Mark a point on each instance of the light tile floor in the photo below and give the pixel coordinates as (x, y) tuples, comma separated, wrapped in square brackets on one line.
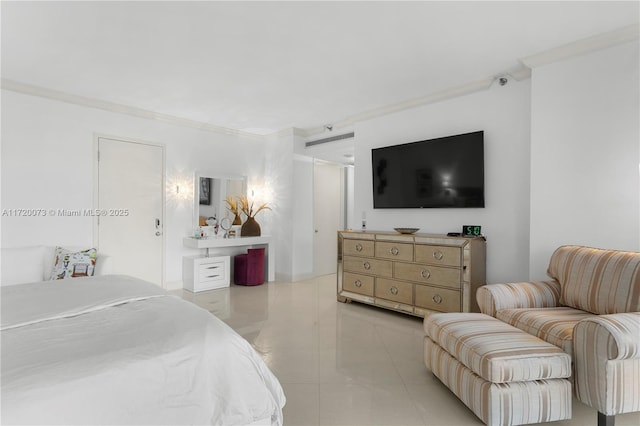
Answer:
[(346, 364)]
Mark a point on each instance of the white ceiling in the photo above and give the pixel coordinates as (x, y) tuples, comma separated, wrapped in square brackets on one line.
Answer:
[(261, 67)]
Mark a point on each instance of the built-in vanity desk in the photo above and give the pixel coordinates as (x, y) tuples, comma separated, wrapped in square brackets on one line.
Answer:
[(414, 274), (194, 267)]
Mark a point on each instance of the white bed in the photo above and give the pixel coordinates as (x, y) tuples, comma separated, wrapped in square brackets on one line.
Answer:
[(118, 350)]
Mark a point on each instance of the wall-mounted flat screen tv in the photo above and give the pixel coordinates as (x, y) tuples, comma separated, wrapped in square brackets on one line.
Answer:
[(434, 173)]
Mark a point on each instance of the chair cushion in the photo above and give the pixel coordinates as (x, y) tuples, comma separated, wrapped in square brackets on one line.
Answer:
[(596, 280), (553, 325), (494, 350)]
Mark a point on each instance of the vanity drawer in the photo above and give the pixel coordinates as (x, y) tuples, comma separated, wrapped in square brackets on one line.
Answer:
[(361, 284), (382, 268), (397, 291), (437, 299), (438, 255), (357, 248), (201, 273), (428, 274), (211, 271), (395, 251)]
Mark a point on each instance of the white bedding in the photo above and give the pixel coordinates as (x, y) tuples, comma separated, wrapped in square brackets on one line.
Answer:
[(117, 350)]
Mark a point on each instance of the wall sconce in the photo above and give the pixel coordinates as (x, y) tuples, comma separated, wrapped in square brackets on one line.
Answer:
[(179, 189), (260, 192)]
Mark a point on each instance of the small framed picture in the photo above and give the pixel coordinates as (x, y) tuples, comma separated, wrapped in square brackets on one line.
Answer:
[(205, 191)]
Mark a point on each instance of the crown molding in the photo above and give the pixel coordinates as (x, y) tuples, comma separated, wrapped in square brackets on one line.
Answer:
[(28, 89), (580, 47), (453, 92), (287, 132), (519, 73)]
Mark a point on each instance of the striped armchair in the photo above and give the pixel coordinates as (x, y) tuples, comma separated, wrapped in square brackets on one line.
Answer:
[(591, 309)]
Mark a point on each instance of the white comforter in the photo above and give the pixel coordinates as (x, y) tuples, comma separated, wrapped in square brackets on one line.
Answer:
[(117, 350)]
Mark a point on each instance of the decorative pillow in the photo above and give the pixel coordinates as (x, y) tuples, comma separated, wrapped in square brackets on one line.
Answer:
[(69, 264)]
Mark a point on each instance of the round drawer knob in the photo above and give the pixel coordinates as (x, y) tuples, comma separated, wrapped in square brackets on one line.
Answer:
[(437, 299), (438, 255), (394, 251), (394, 290), (367, 265), (425, 274), (358, 247), (358, 283)]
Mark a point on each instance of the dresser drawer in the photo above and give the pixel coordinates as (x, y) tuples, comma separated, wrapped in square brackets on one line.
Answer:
[(361, 284), (429, 274), (357, 248), (437, 299), (381, 268), (397, 291), (439, 255), (395, 251)]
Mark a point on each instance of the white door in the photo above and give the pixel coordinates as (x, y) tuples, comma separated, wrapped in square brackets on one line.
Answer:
[(130, 198), (328, 215)]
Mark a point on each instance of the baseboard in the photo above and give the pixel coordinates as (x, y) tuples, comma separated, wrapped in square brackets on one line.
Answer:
[(173, 285), (280, 277), (302, 277)]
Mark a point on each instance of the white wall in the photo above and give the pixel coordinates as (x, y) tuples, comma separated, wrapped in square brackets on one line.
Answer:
[(503, 113), (302, 232), (47, 162), (585, 154), (278, 184)]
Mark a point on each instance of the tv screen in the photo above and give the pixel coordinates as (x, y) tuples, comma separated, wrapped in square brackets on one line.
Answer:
[(443, 172)]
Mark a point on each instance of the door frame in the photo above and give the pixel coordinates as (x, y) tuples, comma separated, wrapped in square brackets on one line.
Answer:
[(96, 187)]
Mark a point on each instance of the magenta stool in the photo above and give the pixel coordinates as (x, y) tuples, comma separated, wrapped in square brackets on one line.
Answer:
[(248, 269)]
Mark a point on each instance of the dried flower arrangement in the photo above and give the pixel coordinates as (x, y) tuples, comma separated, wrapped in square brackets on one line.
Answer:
[(232, 205), (247, 208)]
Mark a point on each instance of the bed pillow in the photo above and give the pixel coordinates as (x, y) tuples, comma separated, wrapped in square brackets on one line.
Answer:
[(69, 264), (22, 265)]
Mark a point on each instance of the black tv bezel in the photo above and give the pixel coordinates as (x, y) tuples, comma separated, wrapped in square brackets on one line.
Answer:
[(425, 141)]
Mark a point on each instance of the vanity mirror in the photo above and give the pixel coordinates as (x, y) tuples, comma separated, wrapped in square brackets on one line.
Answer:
[(210, 191)]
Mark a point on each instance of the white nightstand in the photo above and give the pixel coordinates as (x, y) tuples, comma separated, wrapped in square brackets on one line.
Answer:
[(200, 273)]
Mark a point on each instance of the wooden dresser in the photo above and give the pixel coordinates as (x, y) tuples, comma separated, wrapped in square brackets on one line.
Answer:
[(414, 274)]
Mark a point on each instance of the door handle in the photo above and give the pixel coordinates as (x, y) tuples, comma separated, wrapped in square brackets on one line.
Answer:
[(157, 223)]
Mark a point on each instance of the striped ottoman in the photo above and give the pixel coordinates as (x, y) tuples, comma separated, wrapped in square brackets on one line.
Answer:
[(504, 375)]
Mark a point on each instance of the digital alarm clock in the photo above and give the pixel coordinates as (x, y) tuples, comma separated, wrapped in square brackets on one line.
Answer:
[(471, 230)]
